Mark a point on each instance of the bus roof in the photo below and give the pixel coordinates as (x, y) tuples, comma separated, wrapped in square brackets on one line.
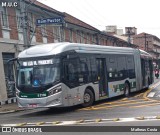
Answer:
[(56, 48)]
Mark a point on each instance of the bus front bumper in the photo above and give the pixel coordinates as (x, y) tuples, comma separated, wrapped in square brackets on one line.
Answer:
[(47, 102)]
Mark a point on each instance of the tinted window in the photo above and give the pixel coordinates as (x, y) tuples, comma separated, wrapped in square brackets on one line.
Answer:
[(112, 68), (130, 66), (93, 69), (84, 72), (71, 70), (121, 67)]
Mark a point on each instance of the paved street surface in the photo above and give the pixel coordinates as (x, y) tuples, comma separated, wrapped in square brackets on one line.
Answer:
[(140, 109)]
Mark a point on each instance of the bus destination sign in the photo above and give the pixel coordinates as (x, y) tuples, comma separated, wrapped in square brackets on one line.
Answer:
[(39, 62)]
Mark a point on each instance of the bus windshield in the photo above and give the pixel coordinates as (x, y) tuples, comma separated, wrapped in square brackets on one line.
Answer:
[(36, 76), (39, 75)]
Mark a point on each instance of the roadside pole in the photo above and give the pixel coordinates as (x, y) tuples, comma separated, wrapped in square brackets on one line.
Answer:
[(24, 19)]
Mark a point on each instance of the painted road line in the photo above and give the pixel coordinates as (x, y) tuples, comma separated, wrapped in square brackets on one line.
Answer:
[(146, 105), (138, 95), (106, 103), (120, 105), (110, 103), (151, 94), (155, 85), (67, 123), (93, 121)]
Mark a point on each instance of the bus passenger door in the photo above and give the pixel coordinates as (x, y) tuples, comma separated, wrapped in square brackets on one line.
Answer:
[(101, 68), (143, 71)]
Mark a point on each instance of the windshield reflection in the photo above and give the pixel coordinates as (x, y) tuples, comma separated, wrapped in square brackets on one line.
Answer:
[(38, 75)]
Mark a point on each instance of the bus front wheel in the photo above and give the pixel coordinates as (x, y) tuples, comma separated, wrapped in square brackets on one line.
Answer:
[(88, 98), (126, 90)]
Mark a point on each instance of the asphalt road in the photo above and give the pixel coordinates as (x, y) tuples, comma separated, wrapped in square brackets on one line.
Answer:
[(137, 110)]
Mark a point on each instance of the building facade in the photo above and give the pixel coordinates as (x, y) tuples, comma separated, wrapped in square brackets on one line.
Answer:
[(12, 39), (149, 43)]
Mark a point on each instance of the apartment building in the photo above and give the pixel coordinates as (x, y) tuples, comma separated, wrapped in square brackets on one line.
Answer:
[(149, 43)]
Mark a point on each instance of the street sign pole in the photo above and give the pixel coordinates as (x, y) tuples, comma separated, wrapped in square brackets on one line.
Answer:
[(24, 24)]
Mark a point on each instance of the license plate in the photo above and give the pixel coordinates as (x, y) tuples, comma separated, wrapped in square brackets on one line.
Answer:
[(32, 105)]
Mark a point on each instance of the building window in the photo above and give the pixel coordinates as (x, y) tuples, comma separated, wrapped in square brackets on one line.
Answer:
[(57, 35), (88, 39), (44, 30), (78, 36), (18, 17), (31, 22), (82, 37), (93, 39), (71, 35), (4, 16), (102, 41)]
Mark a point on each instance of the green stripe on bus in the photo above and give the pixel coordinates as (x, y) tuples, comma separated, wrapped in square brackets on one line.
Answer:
[(33, 95), (120, 87)]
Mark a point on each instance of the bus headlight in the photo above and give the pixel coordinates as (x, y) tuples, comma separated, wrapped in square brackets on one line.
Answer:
[(55, 90)]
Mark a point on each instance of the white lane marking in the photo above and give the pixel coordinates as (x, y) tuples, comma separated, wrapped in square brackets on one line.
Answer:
[(155, 85), (158, 96), (92, 121), (151, 94)]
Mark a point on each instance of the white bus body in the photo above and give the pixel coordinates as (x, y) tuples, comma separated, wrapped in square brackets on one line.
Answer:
[(67, 74)]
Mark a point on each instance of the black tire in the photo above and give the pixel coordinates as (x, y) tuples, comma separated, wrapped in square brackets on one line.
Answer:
[(88, 98), (126, 90)]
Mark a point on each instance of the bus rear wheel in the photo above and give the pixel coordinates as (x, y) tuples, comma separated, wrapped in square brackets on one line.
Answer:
[(88, 98), (126, 90)]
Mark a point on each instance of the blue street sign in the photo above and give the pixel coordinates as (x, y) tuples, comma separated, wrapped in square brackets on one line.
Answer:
[(57, 20)]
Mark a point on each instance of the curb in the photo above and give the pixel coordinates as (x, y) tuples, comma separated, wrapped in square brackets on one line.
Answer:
[(5, 112), (11, 111), (81, 122), (9, 101)]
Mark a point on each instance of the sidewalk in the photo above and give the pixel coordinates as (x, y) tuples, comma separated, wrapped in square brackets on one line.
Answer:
[(155, 81), (8, 108)]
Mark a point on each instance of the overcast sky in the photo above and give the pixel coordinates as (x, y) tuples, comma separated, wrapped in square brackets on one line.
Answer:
[(142, 14)]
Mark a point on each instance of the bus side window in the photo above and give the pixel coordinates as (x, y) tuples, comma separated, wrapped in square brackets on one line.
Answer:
[(121, 67), (111, 68), (93, 70), (130, 67), (70, 71), (84, 71)]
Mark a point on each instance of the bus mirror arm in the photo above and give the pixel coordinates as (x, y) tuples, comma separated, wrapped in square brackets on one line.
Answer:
[(14, 59)]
